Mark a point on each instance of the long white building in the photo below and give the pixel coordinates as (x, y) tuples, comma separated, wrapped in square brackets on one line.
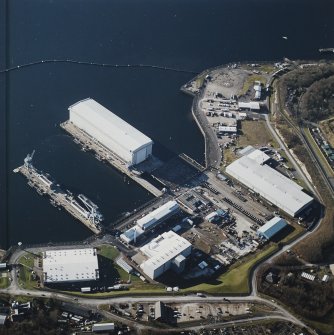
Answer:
[(150, 221), (160, 214), (166, 251), (70, 265), (270, 184), (111, 131)]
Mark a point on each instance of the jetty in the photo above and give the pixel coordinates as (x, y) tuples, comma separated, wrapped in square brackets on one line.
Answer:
[(42, 183)]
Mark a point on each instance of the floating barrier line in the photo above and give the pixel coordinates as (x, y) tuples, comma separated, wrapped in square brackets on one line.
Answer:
[(72, 61)]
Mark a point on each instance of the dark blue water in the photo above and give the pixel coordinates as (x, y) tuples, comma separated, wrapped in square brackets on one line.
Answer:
[(188, 34)]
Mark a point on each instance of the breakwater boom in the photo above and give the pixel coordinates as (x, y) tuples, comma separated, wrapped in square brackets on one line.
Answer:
[(106, 65), (79, 207)]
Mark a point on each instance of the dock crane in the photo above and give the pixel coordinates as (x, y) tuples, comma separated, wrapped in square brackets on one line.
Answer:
[(28, 160), (94, 214)]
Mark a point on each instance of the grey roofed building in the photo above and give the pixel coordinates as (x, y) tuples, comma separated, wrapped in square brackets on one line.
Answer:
[(272, 227), (270, 184), (99, 327)]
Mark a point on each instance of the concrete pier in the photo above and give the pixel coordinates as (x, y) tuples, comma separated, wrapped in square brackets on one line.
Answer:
[(102, 153), (58, 197)]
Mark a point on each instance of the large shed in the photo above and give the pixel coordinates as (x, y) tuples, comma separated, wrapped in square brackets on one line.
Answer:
[(115, 134), (272, 227), (270, 184), (70, 265)]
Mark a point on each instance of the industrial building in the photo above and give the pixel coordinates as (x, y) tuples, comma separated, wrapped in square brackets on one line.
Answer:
[(258, 155), (270, 184), (150, 221), (160, 214), (131, 234), (70, 265), (103, 327), (272, 227), (227, 129), (251, 106), (115, 134), (167, 251)]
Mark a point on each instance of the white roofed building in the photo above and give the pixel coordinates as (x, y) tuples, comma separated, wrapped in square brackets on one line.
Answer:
[(166, 251), (270, 184), (160, 214), (115, 134), (252, 105), (70, 265), (150, 221)]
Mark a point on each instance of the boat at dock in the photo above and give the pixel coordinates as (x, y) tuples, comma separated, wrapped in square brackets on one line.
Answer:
[(79, 207)]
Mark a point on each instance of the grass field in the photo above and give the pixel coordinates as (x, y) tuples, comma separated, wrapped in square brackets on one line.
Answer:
[(255, 133), (249, 82), (4, 282), (25, 278), (236, 280)]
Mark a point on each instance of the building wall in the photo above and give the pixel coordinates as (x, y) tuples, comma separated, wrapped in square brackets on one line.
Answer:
[(106, 138)]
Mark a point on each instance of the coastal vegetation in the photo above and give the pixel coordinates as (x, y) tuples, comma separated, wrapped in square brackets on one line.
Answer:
[(306, 92)]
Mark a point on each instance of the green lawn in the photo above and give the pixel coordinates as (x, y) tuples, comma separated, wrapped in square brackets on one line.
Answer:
[(249, 82), (137, 284), (4, 282), (108, 251), (25, 276), (235, 280)]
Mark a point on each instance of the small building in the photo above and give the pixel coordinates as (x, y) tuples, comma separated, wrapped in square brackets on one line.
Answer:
[(272, 227), (257, 89), (250, 106), (307, 276), (212, 217), (3, 266), (131, 234), (325, 278), (227, 129), (159, 311), (102, 327), (124, 265)]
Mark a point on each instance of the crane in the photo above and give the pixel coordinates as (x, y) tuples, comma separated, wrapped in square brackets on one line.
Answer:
[(28, 160)]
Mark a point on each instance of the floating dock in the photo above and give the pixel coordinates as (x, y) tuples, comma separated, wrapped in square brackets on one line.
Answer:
[(58, 198), (88, 143)]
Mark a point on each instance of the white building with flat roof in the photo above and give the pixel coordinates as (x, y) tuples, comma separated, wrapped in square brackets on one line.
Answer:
[(160, 214), (70, 265), (162, 254), (111, 131), (270, 184), (252, 105)]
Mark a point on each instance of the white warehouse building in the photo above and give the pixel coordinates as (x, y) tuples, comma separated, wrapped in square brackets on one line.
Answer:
[(270, 184), (167, 251), (115, 134), (70, 265), (150, 221), (160, 214)]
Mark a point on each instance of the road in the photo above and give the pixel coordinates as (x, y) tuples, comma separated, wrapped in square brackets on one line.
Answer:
[(290, 157)]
